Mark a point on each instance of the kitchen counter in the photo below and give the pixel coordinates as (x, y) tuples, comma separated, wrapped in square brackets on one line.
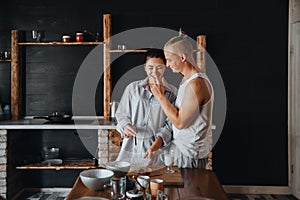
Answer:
[(77, 123)]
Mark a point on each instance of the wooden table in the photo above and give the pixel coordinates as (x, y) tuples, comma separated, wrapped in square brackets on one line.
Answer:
[(197, 182)]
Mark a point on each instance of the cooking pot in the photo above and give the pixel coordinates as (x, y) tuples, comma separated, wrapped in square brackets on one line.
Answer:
[(55, 117)]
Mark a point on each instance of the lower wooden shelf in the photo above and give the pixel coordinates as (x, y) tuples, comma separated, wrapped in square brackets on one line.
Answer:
[(67, 164)]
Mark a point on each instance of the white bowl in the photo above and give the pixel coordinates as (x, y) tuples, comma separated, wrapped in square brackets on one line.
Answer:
[(53, 162), (120, 168), (95, 179)]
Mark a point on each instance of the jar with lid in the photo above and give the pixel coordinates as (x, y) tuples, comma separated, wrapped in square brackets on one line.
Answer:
[(66, 38), (79, 37)]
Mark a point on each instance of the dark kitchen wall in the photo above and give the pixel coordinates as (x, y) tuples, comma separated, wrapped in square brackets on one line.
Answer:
[(247, 39)]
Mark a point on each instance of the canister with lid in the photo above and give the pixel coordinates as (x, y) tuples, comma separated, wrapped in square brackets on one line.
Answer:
[(79, 37)]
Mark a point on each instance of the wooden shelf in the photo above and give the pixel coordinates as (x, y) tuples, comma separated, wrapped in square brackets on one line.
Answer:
[(67, 164), (7, 60), (58, 43), (128, 51)]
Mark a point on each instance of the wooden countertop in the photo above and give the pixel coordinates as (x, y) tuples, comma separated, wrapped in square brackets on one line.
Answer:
[(197, 182)]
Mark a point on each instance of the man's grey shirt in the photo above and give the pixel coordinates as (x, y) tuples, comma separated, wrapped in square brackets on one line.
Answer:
[(141, 109)]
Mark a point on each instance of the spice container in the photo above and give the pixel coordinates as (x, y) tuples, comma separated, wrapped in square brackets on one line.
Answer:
[(79, 37), (66, 38)]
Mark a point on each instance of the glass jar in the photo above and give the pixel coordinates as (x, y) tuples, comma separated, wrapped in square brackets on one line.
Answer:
[(79, 37)]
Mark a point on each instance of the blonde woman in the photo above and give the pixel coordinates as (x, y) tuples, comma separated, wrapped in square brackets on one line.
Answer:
[(191, 116)]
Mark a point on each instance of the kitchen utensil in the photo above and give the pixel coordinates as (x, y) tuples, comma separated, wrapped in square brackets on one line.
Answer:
[(56, 117)]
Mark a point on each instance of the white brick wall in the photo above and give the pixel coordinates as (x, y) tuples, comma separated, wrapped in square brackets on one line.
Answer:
[(3, 162), (103, 150)]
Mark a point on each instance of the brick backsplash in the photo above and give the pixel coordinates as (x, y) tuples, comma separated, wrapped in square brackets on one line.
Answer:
[(3, 163)]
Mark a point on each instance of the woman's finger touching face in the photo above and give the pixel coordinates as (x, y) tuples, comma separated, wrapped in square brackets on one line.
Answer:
[(155, 69)]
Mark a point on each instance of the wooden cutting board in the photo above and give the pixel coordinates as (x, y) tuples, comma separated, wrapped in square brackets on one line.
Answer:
[(170, 180), (173, 179)]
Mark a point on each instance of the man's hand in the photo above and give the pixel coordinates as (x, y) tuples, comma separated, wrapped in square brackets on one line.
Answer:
[(148, 153), (129, 131)]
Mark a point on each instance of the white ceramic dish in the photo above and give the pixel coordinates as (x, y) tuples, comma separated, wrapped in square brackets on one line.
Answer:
[(53, 162)]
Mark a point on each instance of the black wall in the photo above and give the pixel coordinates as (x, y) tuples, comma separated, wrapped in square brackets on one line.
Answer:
[(247, 39)]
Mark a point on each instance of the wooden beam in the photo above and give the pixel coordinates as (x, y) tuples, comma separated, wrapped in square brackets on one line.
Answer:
[(200, 59), (200, 55), (16, 86), (106, 65)]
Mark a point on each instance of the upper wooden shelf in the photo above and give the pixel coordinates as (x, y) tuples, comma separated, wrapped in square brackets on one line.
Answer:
[(59, 43), (128, 51), (7, 60)]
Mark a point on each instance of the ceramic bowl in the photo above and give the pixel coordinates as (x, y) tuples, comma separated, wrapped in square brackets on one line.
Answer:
[(120, 168), (95, 179)]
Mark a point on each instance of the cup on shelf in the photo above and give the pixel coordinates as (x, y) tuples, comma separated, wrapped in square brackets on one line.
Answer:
[(79, 37), (36, 35), (121, 47), (66, 38), (7, 54)]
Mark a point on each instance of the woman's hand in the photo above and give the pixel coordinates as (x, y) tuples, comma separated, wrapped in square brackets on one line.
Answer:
[(156, 86), (129, 131), (157, 90), (152, 155)]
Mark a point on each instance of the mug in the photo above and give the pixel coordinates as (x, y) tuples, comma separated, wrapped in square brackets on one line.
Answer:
[(156, 185)]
